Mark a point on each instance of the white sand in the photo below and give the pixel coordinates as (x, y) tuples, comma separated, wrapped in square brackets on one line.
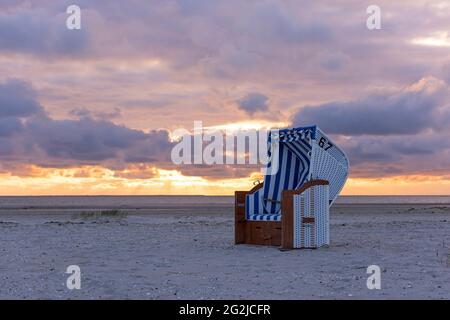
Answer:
[(182, 256)]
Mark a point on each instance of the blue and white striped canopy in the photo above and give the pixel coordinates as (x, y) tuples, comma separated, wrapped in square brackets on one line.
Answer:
[(301, 154), (294, 157)]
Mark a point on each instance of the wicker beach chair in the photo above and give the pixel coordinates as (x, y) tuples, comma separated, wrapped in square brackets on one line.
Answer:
[(291, 208)]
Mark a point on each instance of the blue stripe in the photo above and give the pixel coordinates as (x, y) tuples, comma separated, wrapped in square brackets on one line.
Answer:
[(300, 152), (290, 175), (306, 145), (280, 172), (265, 217), (304, 159), (281, 179), (296, 173), (256, 203), (288, 167), (247, 206), (267, 184)]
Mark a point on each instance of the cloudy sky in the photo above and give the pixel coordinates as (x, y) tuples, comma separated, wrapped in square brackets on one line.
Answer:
[(92, 111)]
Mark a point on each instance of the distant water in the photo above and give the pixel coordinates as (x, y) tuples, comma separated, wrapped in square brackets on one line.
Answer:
[(393, 200), (121, 202)]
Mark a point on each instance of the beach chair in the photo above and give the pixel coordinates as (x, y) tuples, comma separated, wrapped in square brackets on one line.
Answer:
[(291, 207)]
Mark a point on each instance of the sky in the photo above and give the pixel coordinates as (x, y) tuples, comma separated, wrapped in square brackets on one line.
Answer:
[(93, 111)]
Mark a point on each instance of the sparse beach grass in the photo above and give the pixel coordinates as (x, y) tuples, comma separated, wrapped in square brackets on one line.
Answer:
[(110, 213)]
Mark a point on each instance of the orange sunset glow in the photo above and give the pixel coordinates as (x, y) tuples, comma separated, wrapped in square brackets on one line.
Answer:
[(102, 181)]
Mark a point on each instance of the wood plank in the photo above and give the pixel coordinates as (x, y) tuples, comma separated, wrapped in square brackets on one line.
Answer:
[(239, 217), (287, 219)]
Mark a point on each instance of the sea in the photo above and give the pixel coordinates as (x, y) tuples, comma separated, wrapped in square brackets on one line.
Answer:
[(142, 202)]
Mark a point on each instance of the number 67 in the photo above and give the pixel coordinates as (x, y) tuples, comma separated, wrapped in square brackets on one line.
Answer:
[(325, 144)]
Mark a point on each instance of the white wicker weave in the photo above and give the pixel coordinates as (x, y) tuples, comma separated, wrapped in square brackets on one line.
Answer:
[(314, 231)]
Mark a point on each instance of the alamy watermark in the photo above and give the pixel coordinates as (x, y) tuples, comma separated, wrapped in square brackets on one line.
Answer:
[(74, 280), (374, 280), (373, 22), (213, 146), (73, 21)]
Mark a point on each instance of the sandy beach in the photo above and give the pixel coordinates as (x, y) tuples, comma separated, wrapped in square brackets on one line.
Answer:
[(173, 252)]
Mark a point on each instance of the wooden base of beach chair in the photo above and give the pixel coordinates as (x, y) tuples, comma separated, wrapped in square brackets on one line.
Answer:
[(262, 233), (284, 233), (254, 232)]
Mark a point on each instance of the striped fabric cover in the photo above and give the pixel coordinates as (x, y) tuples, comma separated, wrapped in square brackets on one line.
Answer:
[(302, 157), (294, 149), (331, 165), (264, 217), (294, 160)]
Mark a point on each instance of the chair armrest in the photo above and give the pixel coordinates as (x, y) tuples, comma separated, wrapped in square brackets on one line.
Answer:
[(239, 200), (307, 185), (287, 211), (239, 213)]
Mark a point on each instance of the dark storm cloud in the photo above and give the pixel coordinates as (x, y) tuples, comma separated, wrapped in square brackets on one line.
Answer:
[(377, 156), (390, 133), (333, 61), (83, 139), (6, 147), (445, 72), (8, 126), (40, 32), (407, 112), (253, 102), (105, 115), (386, 149), (95, 141), (34, 135), (17, 99), (273, 22)]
